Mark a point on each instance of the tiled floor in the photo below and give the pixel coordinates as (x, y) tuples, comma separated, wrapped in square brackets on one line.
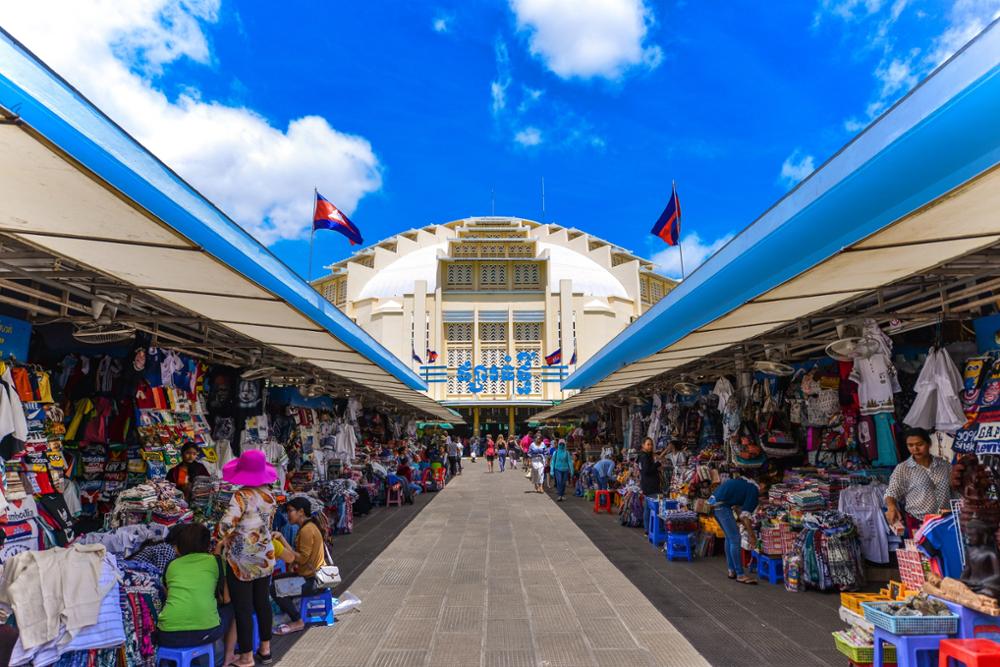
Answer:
[(729, 624), (490, 574)]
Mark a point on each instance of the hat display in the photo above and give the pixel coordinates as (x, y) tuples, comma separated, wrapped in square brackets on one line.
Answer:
[(250, 469)]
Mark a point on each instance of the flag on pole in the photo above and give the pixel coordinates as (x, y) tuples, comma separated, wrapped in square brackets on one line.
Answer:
[(328, 216), (554, 358), (668, 226), (432, 356), (416, 357), (572, 360)]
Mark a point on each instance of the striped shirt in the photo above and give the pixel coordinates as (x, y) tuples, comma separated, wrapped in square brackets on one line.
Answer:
[(921, 490)]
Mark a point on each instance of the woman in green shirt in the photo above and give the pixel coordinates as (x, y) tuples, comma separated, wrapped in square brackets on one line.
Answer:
[(190, 616)]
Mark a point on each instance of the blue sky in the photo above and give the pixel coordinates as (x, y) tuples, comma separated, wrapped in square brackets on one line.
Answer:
[(407, 114)]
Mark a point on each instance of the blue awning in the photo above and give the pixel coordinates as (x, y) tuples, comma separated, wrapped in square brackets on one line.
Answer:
[(81, 187), (906, 194)]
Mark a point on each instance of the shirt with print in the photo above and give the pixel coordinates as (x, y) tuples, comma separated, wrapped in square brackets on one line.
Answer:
[(246, 528), (921, 490)]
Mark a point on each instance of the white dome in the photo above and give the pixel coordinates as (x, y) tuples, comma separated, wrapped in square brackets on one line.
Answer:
[(589, 277), (400, 276)]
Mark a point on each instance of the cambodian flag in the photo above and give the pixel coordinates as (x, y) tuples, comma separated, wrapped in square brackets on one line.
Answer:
[(328, 216), (432, 356), (572, 360), (668, 226), (554, 358)]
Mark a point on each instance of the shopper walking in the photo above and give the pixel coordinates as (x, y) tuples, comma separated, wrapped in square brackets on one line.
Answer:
[(451, 448), (244, 537), (741, 494), (536, 454), (491, 452), (525, 459), (305, 560), (561, 466), (502, 451)]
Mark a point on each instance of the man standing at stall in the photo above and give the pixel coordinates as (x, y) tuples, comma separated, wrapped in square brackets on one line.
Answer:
[(919, 484)]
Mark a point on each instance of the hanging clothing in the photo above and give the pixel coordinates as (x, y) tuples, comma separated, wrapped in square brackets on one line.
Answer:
[(863, 503), (877, 383), (937, 406), (885, 437)]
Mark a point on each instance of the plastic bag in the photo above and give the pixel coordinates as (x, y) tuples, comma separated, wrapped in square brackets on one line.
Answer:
[(345, 603)]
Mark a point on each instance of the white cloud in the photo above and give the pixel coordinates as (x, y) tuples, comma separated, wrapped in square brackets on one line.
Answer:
[(966, 19), (899, 70), (696, 251), (588, 38), (853, 125), (847, 10), (796, 167), (442, 23), (260, 175), (499, 86), (529, 136)]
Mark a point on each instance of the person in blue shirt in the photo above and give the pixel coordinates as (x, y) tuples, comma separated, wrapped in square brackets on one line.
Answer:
[(602, 471), (736, 494), (561, 466)]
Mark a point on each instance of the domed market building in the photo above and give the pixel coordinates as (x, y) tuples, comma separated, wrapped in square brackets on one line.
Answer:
[(493, 312)]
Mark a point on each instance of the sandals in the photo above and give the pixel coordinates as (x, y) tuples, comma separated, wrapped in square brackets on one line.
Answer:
[(745, 581), (731, 574), (264, 659), (283, 630)]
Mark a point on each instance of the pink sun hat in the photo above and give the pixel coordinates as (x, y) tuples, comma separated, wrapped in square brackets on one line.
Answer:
[(250, 469)]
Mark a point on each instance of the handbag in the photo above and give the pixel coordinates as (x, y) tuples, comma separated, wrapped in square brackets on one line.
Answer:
[(327, 576)]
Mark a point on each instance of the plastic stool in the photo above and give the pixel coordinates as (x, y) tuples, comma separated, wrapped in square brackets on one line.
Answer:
[(394, 495), (770, 568), (970, 621), (650, 509), (657, 530), (317, 609), (680, 545), (602, 499), (969, 652), (256, 634), (908, 647), (186, 657)]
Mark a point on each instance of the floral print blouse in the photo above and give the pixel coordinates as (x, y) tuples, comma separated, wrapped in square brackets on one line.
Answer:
[(245, 528)]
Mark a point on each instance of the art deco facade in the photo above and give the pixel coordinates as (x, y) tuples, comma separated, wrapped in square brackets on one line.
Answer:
[(491, 297)]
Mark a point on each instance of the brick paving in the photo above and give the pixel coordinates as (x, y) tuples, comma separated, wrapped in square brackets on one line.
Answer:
[(493, 575)]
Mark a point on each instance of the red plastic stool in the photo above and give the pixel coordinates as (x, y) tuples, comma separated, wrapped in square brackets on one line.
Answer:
[(969, 652), (602, 499), (394, 495)]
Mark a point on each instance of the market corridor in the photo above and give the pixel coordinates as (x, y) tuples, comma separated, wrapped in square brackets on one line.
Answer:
[(490, 575)]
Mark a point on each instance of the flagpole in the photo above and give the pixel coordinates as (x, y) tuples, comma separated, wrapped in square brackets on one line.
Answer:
[(312, 233), (680, 245)]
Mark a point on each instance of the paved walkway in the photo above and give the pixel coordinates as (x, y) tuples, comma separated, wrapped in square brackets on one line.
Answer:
[(490, 575)]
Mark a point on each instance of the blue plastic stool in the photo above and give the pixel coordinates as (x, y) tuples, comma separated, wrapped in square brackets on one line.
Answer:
[(657, 530), (770, 568), (186, 657), (970, 619), (680, 545), (256, 634), (911, 650), (650, 509), (317, 609)]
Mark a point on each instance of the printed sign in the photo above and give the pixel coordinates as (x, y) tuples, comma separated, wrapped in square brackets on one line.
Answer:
[(14, 337), (979, 439)]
